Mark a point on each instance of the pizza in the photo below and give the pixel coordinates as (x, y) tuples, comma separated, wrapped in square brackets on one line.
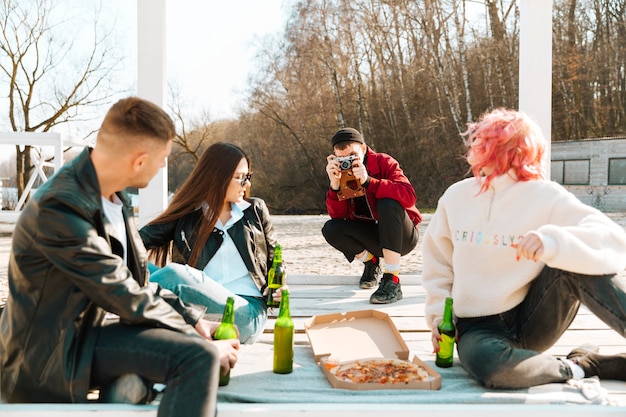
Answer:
[(379, 371)]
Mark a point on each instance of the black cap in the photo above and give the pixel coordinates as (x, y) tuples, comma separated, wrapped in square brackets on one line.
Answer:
[(347, 134)]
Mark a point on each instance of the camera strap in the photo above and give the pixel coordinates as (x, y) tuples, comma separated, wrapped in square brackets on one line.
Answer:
[(349, 186)]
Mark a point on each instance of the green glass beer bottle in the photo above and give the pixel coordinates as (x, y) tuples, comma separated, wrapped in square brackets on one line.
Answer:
[(447, 331), (226, 330), (283, 337), (276, 276)]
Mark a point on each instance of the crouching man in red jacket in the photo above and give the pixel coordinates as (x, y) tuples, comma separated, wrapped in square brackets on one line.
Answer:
[(373, 215)]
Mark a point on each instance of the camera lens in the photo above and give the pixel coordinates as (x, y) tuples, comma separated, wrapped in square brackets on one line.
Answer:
[(345, 165)]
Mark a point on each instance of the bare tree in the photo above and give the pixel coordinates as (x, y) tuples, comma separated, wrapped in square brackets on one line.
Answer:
[(193, 136), (45, 85), (410, 75)]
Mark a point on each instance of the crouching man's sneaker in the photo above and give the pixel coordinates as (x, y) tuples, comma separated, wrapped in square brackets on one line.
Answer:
[(602, 366), (388, 291), (371, 273)]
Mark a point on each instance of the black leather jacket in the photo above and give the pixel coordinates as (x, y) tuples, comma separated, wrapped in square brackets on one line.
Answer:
[(65, 272), (253, 235)]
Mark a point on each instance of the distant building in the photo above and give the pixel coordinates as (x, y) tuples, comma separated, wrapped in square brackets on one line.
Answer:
[(592, 169)]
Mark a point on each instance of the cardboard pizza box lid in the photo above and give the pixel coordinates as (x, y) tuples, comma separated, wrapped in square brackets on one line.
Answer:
[(355, 335)]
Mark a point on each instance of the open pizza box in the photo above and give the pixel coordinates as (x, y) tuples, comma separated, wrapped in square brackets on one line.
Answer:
[(342, 339)]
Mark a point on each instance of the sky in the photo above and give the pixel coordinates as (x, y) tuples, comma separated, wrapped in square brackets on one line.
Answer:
[(216, 73), (210, 49)]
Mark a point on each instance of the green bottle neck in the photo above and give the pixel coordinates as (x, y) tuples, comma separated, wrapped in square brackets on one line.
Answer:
[(447, 312), (278, 255), (284, 305), (229, 311)]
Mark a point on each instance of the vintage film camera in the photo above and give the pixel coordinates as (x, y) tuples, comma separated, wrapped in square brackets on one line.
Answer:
[(345, 162), (350, 186)]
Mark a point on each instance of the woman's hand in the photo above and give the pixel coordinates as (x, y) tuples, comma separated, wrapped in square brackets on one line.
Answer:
[(278, 294), (530, 247), (435, 336)]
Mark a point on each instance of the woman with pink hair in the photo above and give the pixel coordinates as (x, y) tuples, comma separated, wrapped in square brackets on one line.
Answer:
[(519, 254)]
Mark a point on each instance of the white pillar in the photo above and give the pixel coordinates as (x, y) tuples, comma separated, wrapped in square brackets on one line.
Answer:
[(151, 85), (535, 65)]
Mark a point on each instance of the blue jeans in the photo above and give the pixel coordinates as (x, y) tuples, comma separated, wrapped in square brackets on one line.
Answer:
[(504, 350), (195, 287), (187, 364)]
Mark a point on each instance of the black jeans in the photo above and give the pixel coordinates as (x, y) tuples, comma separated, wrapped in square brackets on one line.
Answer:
[(394, 231), (504, 350), (188, 365)]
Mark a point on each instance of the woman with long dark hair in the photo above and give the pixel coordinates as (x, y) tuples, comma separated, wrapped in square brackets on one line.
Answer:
[(213, 241)]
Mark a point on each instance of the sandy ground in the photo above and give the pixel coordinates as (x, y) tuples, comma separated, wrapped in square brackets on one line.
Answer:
[(305, 252)]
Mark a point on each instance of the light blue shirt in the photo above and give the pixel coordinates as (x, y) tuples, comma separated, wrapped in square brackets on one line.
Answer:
[(227, 267)]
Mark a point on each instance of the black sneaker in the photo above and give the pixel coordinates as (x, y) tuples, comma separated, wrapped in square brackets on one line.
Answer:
[(602, 366), (371, 273), (388, 291)]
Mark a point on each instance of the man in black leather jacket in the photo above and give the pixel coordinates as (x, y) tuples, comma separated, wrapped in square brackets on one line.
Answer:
[(76, 255)]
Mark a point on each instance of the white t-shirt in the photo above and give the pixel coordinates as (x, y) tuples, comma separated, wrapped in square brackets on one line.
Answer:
[(114, 216)]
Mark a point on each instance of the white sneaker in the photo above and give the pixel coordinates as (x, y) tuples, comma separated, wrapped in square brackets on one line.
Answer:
[(127, 389)]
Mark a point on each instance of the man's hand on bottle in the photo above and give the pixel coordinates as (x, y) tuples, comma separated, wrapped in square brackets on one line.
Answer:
[(206, 328), (228, 353)]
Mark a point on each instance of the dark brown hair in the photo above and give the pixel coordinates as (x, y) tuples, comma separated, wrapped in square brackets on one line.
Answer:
[(207, 183), (134, 116)]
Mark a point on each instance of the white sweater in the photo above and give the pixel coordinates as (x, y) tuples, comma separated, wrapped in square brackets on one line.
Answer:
[(467, 246)]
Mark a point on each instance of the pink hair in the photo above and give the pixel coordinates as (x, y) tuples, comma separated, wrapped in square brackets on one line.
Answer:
[(505, 140)]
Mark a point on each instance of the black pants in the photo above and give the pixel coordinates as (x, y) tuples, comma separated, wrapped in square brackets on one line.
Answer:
[(394, 231), (503, 350), (187, 364)]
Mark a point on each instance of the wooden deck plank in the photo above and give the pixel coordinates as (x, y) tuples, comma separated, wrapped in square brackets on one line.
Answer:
[(320, 410), (407, 314), (418, 324)]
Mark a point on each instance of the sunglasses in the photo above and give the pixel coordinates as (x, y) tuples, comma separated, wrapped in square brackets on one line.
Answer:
[(244, 178)]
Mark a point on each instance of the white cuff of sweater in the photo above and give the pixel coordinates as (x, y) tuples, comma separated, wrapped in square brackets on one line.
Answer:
[(549, 246)]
